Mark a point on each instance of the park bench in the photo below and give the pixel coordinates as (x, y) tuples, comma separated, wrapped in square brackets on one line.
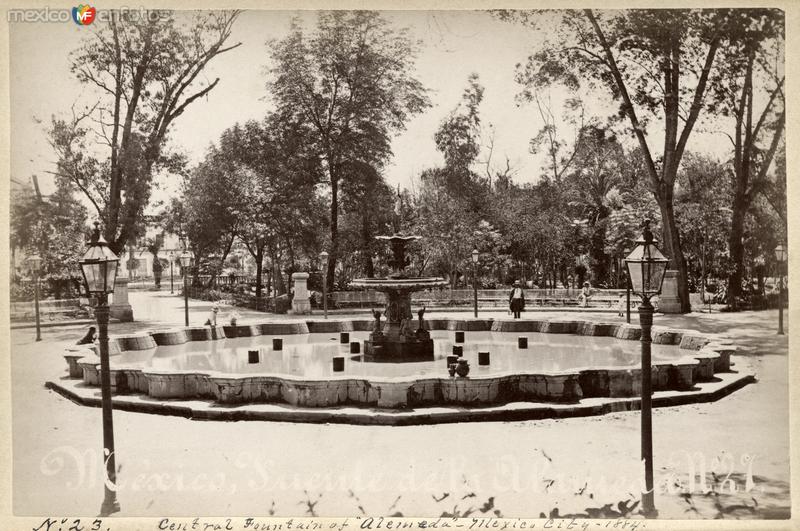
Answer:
[(49, 310)]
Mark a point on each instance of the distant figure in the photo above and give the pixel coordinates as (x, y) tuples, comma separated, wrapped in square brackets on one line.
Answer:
[(621, 304), (88, 339), (212, 318), (585, 295), (420, 313), (516, 299)]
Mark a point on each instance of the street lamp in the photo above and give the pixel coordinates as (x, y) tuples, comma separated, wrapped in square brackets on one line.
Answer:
[(35, 263), (646, 267), (475, 255), (186, 261), (99, 267), (323, 256), (171, 277), (780, 255)]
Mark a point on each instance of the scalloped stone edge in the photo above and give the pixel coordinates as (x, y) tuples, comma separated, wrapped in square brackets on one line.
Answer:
[(705, 357)]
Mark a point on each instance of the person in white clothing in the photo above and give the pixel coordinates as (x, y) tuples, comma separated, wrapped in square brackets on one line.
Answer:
[(516, 299), (585, 295), (212, 318)]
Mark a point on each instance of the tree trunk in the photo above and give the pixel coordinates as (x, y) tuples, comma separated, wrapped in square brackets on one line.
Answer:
[(334, 250), (597, 252), (259, 268), (366, 241), (672, 245), (280, 287), (735, 244)]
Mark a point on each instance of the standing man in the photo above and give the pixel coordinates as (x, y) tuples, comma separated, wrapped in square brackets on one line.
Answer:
[(586, 294), (516, 299)]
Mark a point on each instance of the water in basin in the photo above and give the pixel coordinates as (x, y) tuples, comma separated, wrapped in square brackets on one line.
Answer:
[(310, 355)]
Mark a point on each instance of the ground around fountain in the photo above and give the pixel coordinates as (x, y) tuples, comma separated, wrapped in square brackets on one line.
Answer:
[(173, 466)]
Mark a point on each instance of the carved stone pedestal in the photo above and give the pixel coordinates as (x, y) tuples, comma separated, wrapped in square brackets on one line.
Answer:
[(301, 305), (120, 308)]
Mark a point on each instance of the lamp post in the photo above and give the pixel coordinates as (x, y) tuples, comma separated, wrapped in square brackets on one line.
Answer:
[(627, 295), (646, 267), (186, 261), (475, 255), (171, 276), (627, 298), (35, 263), (323, 256), (780, 255), (99, 267)]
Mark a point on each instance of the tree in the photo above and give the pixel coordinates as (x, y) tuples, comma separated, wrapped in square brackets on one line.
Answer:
[(270, 176), (205, 214), (53, 227), (446, 223), (451, 201), (591, 188), (657, 64), (458, 136), (703, 195), (751, 71), (349, 82), (144, 74), (367, 203), (560, 153)]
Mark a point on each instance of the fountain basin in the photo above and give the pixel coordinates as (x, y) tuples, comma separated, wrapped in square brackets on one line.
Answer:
[(566, 361)]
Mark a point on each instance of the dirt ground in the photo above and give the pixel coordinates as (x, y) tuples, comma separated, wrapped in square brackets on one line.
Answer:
[(727, 459)]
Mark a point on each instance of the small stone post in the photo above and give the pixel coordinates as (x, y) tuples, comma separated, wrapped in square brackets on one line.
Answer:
[(300, 303)]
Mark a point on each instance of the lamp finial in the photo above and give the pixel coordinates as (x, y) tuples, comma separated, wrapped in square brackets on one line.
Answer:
[(95, 233), (646, 232)]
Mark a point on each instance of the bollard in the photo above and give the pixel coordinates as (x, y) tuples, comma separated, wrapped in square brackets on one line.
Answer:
[(344, 337), (338, 364), (459, 337), (522, 342), (458, 350), (355, 347), (277, 343), (483, 358), (252, 356)]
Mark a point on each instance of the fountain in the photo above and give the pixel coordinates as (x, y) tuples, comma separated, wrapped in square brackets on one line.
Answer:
[(297, 364), (397, 340)]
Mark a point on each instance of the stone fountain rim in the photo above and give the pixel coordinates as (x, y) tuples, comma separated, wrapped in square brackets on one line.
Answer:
[(699, 347)]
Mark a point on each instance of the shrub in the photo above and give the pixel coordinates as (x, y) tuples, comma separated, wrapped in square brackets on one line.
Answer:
[(21, 292), (281, 304)]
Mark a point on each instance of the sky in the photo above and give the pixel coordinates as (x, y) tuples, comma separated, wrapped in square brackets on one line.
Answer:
[(454, 44)]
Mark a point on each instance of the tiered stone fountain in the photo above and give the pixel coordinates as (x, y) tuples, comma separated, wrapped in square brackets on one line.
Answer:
[(399, 339)]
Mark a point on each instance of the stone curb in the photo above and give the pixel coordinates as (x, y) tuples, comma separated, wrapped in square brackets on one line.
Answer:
[(699, 364), (415, 417)]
